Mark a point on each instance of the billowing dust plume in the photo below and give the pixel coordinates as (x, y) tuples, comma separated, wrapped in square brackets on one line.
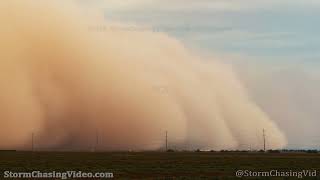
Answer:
[(118, 90)]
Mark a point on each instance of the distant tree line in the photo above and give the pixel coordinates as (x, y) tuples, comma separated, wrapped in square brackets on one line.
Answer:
[(253, 151)]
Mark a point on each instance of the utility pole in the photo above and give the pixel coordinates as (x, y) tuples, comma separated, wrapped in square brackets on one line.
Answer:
[(166, 140), (264, 139), (97, 141), (32, 142)]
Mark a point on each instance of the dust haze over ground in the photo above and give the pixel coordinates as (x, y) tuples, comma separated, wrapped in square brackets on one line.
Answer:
[(67, 85)]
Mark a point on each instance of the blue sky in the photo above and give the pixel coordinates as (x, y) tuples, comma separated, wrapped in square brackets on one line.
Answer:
[(271, 31), (284, 30), (273, 45)]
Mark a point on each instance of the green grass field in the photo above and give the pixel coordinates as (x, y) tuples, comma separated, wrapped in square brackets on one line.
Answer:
[(151, 165)]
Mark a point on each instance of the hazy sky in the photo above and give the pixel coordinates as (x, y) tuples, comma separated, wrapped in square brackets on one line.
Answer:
[(274, 46)]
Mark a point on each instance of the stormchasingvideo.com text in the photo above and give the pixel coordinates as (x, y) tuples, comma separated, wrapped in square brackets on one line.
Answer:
[(56, 175)]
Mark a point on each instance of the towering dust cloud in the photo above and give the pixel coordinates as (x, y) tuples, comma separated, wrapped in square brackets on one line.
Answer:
[(67, 85)]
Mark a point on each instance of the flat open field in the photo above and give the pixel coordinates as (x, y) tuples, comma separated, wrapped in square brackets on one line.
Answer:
[(150, 165)]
